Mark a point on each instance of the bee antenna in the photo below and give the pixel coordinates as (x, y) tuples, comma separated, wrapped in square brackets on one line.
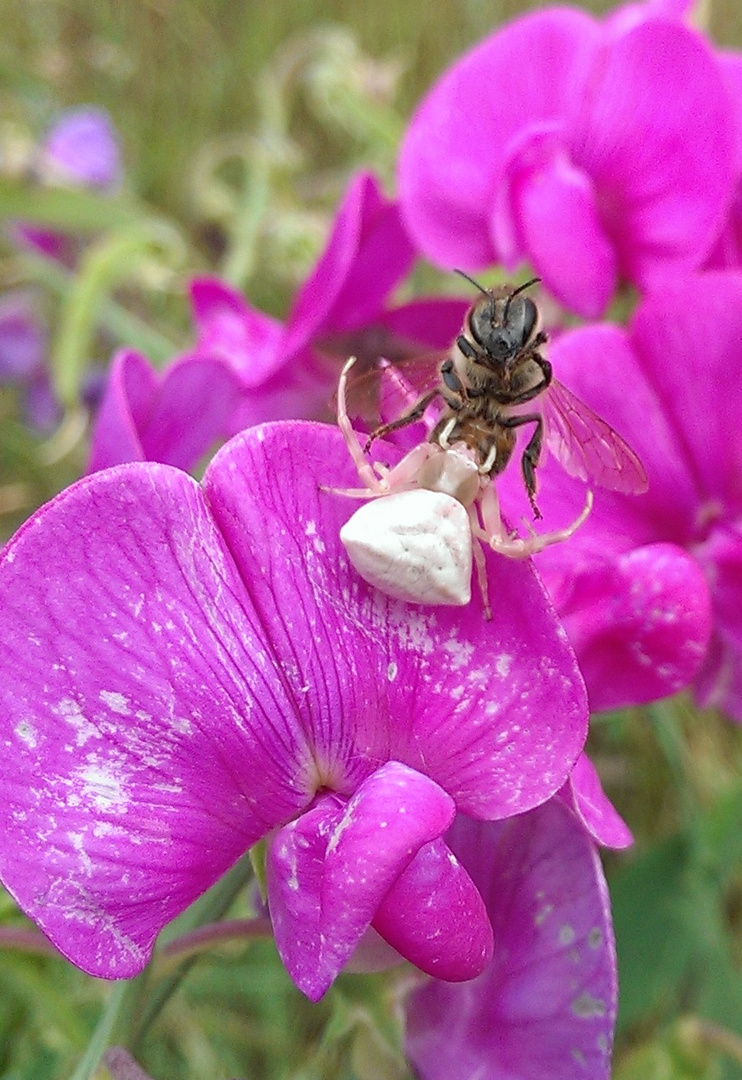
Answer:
[(520, 289), (471, 281)]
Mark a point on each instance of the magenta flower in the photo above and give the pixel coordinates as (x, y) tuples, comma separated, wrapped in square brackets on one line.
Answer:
[(546, 1004), (272, 371), (192, 668), (651, 578), (597, 152)]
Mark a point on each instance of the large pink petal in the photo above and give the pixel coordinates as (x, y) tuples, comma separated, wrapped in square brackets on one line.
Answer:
[(493, 711), (456, 142), (657, 136), (145, 722), (546, 1005)]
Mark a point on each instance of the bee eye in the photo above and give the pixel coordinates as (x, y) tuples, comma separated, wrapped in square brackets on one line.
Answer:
[(530, 318)]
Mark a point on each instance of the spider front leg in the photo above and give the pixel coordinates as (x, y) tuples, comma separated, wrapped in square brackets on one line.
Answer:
[(514, 547), (379, 479)]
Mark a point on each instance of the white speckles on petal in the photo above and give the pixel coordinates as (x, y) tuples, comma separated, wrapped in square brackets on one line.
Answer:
[(103, 789), (566, 935), (595, 938), (116, 702), (71, 712), (503, 665), (460, 652), (587, 1007), (391, 672)]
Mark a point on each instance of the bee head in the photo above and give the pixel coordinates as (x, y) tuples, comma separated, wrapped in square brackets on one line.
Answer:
[(502, 326)]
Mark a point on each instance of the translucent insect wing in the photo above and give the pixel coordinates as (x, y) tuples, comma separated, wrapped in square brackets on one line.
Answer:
[(586, 446), (388, 390)]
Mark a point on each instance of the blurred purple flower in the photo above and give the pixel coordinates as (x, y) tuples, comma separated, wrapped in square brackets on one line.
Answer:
[(546, 1004), (597, 152), (274, 371), (193, 668), (647, 574), (80, 150), (23, 355)]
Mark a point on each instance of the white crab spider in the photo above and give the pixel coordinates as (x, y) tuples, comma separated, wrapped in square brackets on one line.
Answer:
[(427, 519)]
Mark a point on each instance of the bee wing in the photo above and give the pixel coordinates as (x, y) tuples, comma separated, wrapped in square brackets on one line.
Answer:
[(586, 446), (385, 391)]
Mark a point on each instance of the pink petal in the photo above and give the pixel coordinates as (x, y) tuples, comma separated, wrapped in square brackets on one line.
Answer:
[(367, 254), (639, 622), (584, 794), (434, 916), (663, 195), (719, 682), (131, 388), (499, 736), (83, 148), (329, 870), (457, 140), (689, 338), (541, 187), (173, 417), (546, 1005), (229, 328), (143, 724)]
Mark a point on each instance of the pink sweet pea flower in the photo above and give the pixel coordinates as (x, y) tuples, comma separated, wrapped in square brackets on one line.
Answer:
[(191, 668), (597, 152), (546, 1004), (651, 588), (273, 371)]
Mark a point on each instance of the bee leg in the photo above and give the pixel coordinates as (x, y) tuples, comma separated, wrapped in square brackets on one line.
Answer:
[(410, 417), (529, 463), (531, 454)]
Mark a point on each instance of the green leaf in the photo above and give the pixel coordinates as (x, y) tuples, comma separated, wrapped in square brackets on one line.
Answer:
[(68, 209)]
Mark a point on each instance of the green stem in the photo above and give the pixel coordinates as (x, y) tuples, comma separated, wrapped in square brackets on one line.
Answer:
[(208, 909), (101, 1036), (240, 260), (129, 329)]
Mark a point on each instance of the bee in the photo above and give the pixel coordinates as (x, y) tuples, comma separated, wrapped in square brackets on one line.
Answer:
[(485, 384)]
